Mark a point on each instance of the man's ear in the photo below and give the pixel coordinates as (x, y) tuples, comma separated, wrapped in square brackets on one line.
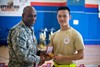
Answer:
[(70, 17)]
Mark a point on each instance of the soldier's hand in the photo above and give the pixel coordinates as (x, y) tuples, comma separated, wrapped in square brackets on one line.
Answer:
[(42, 60)]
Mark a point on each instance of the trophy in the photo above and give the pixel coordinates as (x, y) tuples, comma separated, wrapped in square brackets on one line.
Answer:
[(51, 33), (42, 40)]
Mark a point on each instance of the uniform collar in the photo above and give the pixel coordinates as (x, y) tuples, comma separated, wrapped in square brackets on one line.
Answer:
[(26, 27)]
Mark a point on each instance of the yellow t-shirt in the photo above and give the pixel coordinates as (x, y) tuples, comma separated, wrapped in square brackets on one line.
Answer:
[(66, 43)]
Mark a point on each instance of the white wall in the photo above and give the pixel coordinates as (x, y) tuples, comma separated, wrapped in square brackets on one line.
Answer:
[(92, 1), (86, 1)]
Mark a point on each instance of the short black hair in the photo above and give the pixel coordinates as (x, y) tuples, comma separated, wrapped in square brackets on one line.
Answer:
[(64, 8)]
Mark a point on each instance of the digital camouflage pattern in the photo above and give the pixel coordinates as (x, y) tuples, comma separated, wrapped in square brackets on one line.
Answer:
[(22, 46)]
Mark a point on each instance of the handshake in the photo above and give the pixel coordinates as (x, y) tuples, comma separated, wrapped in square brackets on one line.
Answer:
[(45, 55), (42, 55)]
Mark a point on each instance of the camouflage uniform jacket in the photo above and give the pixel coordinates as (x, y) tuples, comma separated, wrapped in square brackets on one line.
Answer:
[(22, 46)]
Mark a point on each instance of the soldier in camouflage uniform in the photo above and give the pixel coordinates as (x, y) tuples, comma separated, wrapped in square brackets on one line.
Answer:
[(22, 42)]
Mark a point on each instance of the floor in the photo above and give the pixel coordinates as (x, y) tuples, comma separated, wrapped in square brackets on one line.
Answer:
[(92, 55)]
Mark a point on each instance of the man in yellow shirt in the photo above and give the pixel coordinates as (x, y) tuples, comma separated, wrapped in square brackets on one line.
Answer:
[(67, 42)]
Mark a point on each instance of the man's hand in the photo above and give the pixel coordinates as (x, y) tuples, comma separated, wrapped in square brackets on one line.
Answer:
[(59, 57), (50, 55), (42, 60)]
